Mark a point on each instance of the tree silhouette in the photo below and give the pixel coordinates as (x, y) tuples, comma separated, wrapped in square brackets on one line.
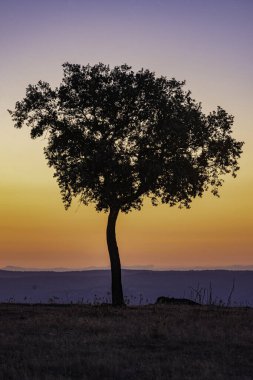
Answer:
[(115, 137)]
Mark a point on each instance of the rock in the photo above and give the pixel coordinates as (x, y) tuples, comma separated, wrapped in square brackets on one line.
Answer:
[(174, 301)]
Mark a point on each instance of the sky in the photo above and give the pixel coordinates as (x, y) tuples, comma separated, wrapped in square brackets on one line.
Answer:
[(208, 44)]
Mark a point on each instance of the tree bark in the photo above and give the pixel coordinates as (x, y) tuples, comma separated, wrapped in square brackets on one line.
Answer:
[(117, 293)]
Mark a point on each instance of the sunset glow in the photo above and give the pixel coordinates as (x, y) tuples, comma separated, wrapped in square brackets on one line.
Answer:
[(207, 43)]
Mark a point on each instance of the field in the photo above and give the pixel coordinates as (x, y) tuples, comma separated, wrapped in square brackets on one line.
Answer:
[(134, 343)]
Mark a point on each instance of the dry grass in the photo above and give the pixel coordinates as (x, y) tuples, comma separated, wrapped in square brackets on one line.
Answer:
[(146, 342)]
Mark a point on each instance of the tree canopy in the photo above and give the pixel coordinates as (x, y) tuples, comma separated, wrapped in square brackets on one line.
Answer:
[(115, 136)]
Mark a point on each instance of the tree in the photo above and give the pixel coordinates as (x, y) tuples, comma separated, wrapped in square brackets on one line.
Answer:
[(115, 137)]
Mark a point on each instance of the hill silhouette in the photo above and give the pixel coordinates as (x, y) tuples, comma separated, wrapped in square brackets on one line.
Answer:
[(140, 286)]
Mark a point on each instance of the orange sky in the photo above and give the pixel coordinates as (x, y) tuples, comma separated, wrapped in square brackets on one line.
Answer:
[(35, 230)]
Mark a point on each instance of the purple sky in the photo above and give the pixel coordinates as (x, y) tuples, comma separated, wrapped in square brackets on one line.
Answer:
[(208, 43)]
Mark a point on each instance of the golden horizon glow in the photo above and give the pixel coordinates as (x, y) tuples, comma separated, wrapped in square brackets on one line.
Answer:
[(172, 39)]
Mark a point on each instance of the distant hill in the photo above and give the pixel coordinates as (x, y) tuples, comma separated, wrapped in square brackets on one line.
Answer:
[(140, 286), (29, 269), (133, 267)]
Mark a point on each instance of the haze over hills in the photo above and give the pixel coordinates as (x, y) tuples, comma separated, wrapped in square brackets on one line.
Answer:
[(134, 267), (140, 286)]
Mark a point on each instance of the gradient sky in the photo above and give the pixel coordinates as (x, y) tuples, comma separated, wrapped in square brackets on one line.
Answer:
[(208, 43)]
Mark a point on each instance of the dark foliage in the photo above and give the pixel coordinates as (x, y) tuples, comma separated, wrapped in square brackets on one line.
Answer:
[(115, 136)]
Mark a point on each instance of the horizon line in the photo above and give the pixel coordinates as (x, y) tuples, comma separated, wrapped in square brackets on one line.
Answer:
[(14, 268)]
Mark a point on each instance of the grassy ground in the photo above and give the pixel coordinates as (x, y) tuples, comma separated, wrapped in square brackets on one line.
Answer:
[(145, 342)]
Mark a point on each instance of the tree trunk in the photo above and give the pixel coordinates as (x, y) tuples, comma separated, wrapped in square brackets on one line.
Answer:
[(117, 293)]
